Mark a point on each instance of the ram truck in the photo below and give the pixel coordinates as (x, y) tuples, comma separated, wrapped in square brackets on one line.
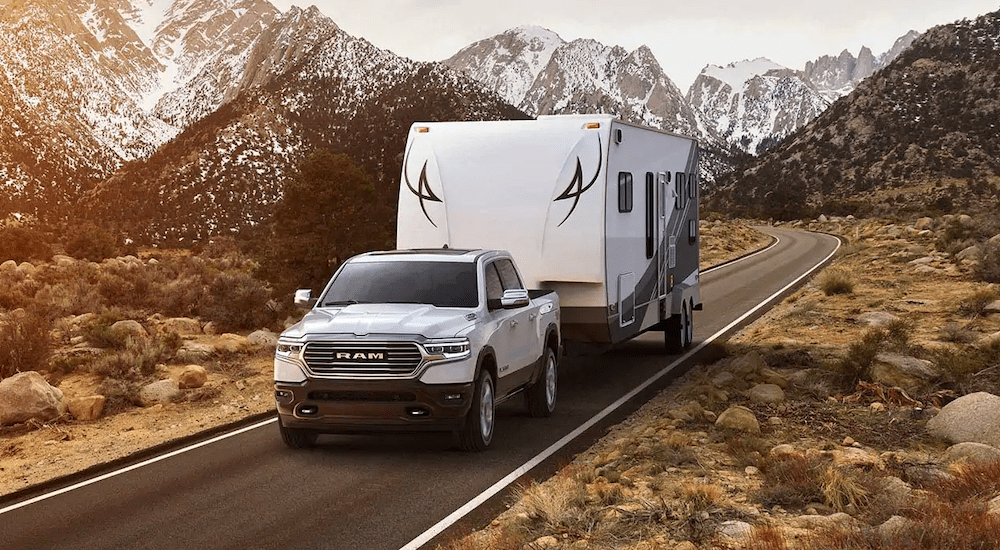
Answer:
[(417, 340)]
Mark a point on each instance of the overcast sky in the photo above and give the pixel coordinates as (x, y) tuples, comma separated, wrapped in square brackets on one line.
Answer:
[(684, 36)]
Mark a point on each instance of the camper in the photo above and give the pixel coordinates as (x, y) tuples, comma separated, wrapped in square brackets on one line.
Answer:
[(601, 211)]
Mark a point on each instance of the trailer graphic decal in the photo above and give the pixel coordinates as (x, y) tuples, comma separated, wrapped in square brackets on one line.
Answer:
[(423, 191), (576, 187)]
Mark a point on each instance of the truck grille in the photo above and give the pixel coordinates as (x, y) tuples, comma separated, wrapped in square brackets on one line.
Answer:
[(364, 396), (362, 359)]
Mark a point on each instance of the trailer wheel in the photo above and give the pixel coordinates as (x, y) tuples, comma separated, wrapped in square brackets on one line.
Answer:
[(297, 438), (477, 433), (678, 330), (542, 394)]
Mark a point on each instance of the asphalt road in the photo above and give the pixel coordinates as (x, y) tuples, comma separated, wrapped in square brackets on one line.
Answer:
[(380, 492)]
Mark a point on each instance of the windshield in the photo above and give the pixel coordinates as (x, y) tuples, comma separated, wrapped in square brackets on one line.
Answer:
[(442, 284)]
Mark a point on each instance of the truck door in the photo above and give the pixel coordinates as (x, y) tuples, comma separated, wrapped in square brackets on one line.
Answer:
[(507, 328), (525, 341)]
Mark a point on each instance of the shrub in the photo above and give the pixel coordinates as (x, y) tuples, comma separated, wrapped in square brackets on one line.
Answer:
[(989, 267), (957, 334), (836, 281), (25, 342), (120, 395), (23, 244), (91, 243), (975, 304), (98, 332), (857, 365), (238, 301), (137, 361)]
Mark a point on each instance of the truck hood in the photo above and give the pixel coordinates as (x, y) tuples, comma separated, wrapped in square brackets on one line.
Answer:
[(364, 319)]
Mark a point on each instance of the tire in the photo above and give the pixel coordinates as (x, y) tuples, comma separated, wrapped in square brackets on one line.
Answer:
[(678, 331), (541, 395), (477, 434), (296, 438)]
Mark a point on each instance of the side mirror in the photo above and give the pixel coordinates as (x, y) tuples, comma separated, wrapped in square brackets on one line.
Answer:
[(514, 298), (303, 298)]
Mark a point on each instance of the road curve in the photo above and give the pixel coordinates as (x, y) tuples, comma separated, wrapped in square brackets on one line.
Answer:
[(358, 492)]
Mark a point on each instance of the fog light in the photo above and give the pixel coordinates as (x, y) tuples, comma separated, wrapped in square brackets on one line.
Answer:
[(282, 396), (308, 410), (418, 412), (453, 397)]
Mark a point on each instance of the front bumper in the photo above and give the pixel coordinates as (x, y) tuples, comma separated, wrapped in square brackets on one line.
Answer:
[(349, 406)]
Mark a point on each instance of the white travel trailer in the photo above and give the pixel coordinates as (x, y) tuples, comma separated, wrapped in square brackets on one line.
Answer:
[(602, 211)]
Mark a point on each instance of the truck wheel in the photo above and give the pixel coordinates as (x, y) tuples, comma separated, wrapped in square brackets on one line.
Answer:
[(542, 394), (296, 438), (477, 433)]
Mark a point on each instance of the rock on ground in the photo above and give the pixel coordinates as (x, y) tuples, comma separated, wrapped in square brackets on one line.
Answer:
[(971, 452), (738, 418), (27, 395), (263, 338), (909, 373), (766, 393), (181, 325), (90, 407), (129, 327), (971, 418), (193, 376), (163, 391)]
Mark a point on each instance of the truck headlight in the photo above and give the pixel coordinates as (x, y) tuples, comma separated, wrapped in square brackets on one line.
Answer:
[(288, 350), (439, 350)]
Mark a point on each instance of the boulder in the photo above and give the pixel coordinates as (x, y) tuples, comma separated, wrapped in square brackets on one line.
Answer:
[(923, 223), (27, 396), (193, 376), (909, 373), (972, 254), (734, 529), (766, 393), (263, 338), (993, 307), (210, 328), (994, 240), (164, 391), (895, 529), (26, 269), (747, 364), (87, 408), (822, 218), (877, 318), (195, 351), (129, 327), (971, 418), (62, 260), (991, 341), (971, 452), (993, 508), (82, 319), (783, 450), (839, 520), (774, 377), (965, 220), (9, 265), (738, 418), (183, 326), (232, 343)]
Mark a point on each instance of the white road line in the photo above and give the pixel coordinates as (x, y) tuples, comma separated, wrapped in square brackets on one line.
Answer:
[(134, 467), (747, 257), (468, 507)]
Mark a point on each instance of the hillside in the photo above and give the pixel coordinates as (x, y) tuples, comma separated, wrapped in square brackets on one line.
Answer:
[(920, 134)]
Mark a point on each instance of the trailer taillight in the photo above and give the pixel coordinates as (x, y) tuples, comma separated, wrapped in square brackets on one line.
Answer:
[(592, 125), (423, 129)]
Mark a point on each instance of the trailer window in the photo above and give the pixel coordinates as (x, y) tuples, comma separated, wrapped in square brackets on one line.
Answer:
[(650, 214), (679, 191), (692, 231), (692, 186), (624, 192)]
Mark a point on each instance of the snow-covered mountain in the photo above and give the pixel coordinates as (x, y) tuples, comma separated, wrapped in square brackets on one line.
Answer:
[(89, 85), (753, 104), (540, 73)]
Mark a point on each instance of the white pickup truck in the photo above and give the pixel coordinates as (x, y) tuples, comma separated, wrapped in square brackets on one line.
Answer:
[(425, 340)]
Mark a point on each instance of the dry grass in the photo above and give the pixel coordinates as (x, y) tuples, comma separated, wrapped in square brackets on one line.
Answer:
[(792, 481), (974, 305), (835, 281), (25, 342)]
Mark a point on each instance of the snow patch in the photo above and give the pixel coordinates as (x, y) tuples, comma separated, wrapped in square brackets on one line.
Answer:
[(737, 74)]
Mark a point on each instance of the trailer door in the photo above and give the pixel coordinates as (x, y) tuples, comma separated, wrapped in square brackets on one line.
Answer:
[(663, 191)]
